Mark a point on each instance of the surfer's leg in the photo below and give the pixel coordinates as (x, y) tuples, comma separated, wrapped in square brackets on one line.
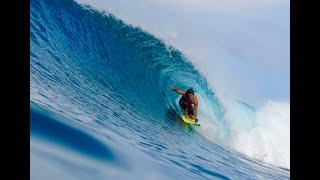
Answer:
[(190, 113)]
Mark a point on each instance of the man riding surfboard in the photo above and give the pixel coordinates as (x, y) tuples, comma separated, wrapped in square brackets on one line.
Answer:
[(189, 103)]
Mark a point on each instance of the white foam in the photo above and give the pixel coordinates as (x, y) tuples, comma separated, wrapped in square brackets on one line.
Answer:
[(262, 134)]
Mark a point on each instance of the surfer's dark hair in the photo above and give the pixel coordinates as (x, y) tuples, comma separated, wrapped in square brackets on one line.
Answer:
[(190, 91)]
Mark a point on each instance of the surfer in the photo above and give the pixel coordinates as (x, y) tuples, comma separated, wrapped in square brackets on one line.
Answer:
[(188, 102)]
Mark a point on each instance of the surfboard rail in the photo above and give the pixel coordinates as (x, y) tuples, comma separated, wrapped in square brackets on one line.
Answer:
[(189, 121)]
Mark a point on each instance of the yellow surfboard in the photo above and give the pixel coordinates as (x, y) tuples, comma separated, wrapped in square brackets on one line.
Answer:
[(189, 121)]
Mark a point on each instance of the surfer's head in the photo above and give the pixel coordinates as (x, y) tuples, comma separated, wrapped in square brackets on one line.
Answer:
[(190, 91)]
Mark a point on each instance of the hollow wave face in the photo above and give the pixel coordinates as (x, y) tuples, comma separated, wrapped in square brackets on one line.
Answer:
[(101, 80)]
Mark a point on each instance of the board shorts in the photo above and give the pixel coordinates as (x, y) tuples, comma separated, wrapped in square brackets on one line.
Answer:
[(190, 108)]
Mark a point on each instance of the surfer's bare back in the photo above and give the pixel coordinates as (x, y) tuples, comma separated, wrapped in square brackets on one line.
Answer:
[(188, 102)]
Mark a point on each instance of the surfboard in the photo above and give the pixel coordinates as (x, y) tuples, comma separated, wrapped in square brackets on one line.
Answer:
[(189, 121)]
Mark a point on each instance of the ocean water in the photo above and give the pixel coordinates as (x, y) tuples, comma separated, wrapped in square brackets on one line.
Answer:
[(102, 105)]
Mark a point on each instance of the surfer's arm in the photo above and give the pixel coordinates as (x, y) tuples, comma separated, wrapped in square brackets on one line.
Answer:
[(182, 92)]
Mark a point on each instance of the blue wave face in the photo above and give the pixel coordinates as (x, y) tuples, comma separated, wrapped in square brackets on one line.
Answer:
[(95, 78)]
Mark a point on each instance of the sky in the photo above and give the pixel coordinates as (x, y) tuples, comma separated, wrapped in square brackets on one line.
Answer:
[(241, 46)]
